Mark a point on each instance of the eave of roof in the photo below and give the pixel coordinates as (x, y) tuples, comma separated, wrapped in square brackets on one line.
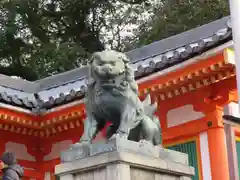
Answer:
[(232, 119), (160, 55)]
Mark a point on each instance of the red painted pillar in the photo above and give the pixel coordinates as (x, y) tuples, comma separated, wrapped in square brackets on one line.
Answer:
[(218, 153)]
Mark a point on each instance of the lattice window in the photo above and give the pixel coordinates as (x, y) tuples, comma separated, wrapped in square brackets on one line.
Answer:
[(238, 154), (189, 148)]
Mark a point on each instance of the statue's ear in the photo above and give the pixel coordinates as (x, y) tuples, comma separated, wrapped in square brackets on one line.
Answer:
[(89, 80), (90, 71), (124, 58), (92, 58)]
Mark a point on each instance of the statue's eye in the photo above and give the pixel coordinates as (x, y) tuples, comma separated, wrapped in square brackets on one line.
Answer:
[(113, 63), (100, 63)]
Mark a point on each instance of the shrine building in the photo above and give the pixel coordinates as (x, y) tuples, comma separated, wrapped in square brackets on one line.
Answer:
[(190, 75)]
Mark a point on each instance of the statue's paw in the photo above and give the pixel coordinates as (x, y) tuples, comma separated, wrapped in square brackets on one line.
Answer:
[(146, 142), (79, 144), (119, 135)]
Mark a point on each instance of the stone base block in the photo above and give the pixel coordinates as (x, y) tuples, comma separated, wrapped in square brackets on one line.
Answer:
[(120, 159)]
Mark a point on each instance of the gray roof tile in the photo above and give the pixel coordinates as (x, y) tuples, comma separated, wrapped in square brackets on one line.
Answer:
[(177, 41)]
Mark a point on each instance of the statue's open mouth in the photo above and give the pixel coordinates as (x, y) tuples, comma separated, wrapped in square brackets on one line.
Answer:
[(108, 76), (108, 84)]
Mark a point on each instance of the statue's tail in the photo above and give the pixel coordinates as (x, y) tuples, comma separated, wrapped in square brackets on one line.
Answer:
[(150, 109)]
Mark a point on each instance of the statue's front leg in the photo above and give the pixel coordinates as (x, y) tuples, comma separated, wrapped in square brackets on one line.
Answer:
[(150, 131), (90, 129)]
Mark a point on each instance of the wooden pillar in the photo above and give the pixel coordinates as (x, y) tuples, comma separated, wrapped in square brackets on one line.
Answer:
[(232, 153), (218, 153)]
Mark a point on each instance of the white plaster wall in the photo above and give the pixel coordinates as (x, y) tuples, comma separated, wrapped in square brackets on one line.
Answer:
[(182, 115), (20, 151), (231, 109), (56, 149), (205, 156)]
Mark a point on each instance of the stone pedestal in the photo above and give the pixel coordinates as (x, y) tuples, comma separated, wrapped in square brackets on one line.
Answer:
[(120, 159)]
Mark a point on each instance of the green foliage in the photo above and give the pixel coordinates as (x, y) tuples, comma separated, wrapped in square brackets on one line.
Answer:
[(39, 38), (175, 16), (44, 37)]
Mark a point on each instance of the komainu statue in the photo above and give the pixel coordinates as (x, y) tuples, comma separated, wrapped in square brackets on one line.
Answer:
[(112, 95)]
